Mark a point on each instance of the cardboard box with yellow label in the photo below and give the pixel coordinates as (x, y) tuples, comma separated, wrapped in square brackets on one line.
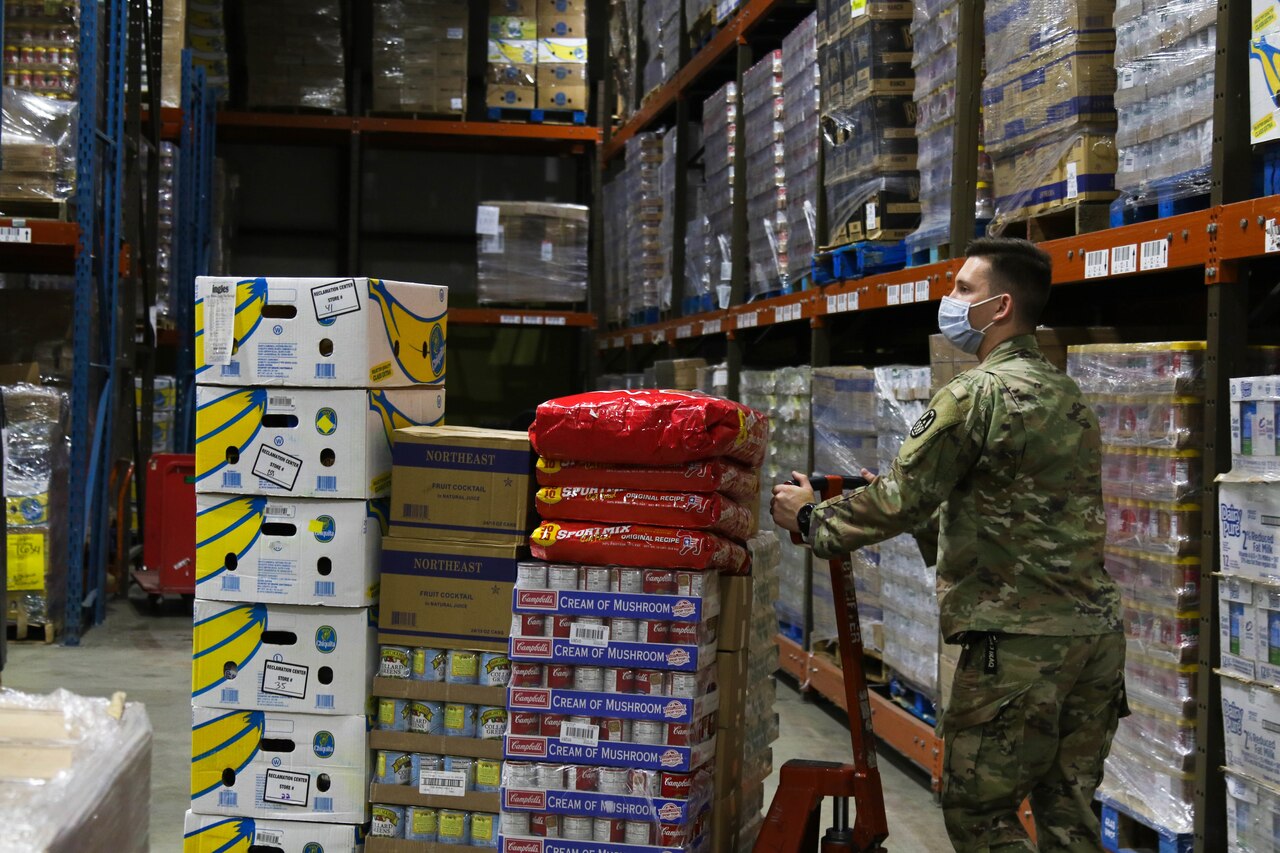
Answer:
[(516, 96), (562, 25), (326, 332), (304, 442), (284, 551), (217, 834), (562, 50)]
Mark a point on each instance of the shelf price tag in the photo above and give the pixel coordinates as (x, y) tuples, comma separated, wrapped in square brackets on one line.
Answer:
[(922, 291), (531, 320), (685, 331), (857, 8), (1095, 264), (660, 337), (832, 302), (637, 339), (558, 320), (1155, 255), (908, 294), (748, 320), (1124, 259), (509, 319), (782, 313), (710, 327), (15, 235), (894, 295)]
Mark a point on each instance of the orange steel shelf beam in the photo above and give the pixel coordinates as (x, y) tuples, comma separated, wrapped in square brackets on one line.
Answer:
[(792, 659), (718, 48), (170, 122), (519, 317), (250, 126), (38, 245)]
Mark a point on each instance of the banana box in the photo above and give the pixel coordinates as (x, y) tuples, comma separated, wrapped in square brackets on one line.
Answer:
[(304, 443), (272, 656), (294, 767), (562, 50), (217, 834), (283, 551), (163, 399), (320, 332)]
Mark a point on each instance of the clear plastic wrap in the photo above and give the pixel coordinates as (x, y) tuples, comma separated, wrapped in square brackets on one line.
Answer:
[(537, 254), (1173, 368), (615, 261), (766, 190), (720, 115), (1160, 795), (103, 791), (623, 18), (1138, 573), (420, 57), (1253, 813), (42, 49), (35, 486), (646, 265), (206, 38), (295, 56), (39, 139), (660, 29), (1169, 476), (1021, 29), (1055, 173), (801, 92)]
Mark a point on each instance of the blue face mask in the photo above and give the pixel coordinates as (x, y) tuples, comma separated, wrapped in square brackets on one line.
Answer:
[(953, 322)]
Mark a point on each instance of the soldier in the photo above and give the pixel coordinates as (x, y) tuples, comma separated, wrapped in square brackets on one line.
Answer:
[(1008, 454)]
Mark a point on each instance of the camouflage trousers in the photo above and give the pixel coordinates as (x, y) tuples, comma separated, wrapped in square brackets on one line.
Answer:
[(1030, 716)]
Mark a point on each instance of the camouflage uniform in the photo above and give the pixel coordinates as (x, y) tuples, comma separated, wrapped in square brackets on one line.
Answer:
[(1009, 456)]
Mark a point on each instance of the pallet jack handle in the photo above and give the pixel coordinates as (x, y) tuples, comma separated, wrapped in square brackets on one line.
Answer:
[(792, 824)]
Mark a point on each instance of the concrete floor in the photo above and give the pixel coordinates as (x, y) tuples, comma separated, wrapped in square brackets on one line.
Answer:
[(147, 653)]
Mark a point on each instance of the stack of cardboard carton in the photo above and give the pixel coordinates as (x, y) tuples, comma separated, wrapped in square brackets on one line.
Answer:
[(163, 399), (767, 225), (206, 38), (295, 55), (531, 252), (802, 106), (720, 114), (646, 264), (302, 383), (462, 503), (420, 57), (538, 54)]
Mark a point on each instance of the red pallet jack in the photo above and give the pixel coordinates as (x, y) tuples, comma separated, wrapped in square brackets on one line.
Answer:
[(792, 824)]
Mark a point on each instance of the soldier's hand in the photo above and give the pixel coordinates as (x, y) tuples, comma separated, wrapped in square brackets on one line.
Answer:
[(787, 500), (868, 476)]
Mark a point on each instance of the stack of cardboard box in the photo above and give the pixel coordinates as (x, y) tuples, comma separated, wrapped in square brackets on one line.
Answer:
[(720, 115), (531, 252), (303, 382), (163, 399), (420, 57), (801, 111), (538, 54), (767, 224), (295, 55)]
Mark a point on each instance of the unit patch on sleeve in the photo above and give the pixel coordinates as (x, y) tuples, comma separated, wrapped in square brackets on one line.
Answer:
[(926, 420)]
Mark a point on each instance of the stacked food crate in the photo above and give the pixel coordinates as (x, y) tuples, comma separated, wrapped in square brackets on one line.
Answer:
[(1048, 103), (802, 98), (1149, 402), (660, 20), (41, 49), (531, 252), (164, 398), (420, 57), (207, 41), (720, 137), (295, 55), (512, 77), (294, 415), (766, 181), (616, 282), (168, 204), (646, 265)]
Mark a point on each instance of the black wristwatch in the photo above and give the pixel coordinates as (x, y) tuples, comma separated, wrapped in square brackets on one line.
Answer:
[(803, 518)]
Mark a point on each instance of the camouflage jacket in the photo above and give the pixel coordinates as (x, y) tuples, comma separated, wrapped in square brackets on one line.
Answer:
[(1009, 455)]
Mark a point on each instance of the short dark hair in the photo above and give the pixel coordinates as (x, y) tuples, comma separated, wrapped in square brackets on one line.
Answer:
[(1020, 268)]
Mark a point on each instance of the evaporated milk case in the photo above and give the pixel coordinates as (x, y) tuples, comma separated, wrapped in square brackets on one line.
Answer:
[(277, 550), (218, 834), (297, 767), (291, 659), (304, 442), (328, 332)]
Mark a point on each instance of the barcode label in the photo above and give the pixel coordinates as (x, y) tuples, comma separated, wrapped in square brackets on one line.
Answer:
[(326, 589), (894, 295), (637, 339), (230, 696), (228, 800), (417, 512), (710, 327), (1273, 236), (589, 635), (326, 484), (230, 479), (15, 235), (558, 320), (1095, 264), (324, 702), (230, 583), (279, 510), (324, 804), (326, 371), (280, 401), (685, 331), (400, 617), (1155, 255), (922, 291), (748, 320), (232, 369), (1124, 259), (908, 294), (582, 734), (268, 838), (871, 216), (442, 783), (1073, 183)]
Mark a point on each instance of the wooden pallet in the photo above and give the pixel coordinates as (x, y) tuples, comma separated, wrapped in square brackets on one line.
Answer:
[(1068, 222), (22, 632), (35, 208)]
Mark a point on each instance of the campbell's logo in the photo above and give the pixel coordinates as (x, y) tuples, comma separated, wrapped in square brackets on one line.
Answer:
[(517, 799), (537, 599), (534, 699), (684, 608), (670, 812), (531, 647), (673, 709), (518, 845), (678, 657), (530, 746), (671, 758)]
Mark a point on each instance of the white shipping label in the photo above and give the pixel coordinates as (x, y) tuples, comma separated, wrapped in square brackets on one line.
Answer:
[(493, 244), (336, 299), (276, 467), (582, 734), (219, 324), (922, 291), (1273, 236), (726, 270), (290, 789), (442, 783), (454, 33), (1127, 78), (1155, 255), (284, 679), (894, 295), (1095, 264), (487, 219), (589, 635), (1124, 259), (1073, 185), (720, 376), (871, 216), (455, 103), (548, 251)]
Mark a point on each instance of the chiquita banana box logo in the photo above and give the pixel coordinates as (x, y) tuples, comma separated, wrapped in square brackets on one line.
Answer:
[(251, 296), (230, 421), (230, 528), (416, 342), (572, 50), (227, 742), (233, 835), (225, 641), (380, 511), (1268, 57), (392, 418), (27, 511)]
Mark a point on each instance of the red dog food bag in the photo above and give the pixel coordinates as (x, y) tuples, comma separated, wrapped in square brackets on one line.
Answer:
[(648, 428), (708, 475), (637, 546), (665, 509)]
